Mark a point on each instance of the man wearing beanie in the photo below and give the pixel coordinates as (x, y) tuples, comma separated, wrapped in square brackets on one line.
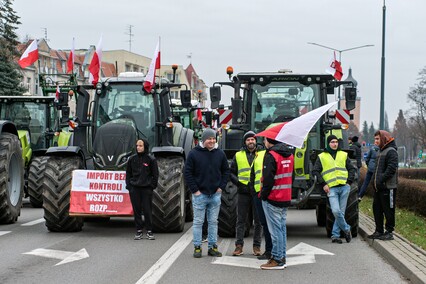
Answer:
[(206, 174), (241, 167), (335, 173)]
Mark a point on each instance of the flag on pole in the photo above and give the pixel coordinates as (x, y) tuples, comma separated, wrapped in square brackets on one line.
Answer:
[(70, 61), (58, 92), (30, 55), (335, 68), (155, 64), (95, 64), (294, 132)]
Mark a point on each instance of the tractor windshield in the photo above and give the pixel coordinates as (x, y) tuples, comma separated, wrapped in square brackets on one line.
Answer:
[(127, 101), (281, 101), (29, 116)]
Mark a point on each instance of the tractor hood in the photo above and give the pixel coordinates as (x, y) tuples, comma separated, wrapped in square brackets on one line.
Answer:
[(114, 143)]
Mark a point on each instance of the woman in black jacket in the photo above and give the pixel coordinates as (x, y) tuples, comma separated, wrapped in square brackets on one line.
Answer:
[(141, 180)]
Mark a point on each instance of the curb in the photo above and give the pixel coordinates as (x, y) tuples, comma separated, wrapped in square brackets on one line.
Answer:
[(407, 258)]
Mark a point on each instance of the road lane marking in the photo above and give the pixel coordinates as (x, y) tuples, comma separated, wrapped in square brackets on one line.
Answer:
[(33, 222), (255, 263), (154, 274), (302, 248), (64, 256), (4, 232)]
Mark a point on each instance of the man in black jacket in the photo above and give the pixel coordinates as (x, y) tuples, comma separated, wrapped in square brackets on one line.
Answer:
[(206, 174), (141, 180), (385, 181)]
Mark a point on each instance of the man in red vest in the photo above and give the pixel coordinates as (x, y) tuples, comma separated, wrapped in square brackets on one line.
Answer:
[(276, 197)]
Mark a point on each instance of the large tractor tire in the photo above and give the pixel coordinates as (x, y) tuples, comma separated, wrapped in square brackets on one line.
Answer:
[(228, 211), (35, 180), (351, 214), (168, 202), (56, 194), (11, 178)]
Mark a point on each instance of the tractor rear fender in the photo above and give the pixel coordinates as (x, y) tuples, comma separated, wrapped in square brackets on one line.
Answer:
[(168, 151), (8, 126), (67, 151)]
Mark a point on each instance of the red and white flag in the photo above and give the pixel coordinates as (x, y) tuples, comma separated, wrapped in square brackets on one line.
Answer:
[(58, 92), (70, 61), (335, 68), (155, 64), (30, 55), (95, 64)]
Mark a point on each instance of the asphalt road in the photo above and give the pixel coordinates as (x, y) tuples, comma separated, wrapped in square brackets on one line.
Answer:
[(107, 253)]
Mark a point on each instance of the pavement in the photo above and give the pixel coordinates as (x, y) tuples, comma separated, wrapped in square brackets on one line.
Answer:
[(407, 258)]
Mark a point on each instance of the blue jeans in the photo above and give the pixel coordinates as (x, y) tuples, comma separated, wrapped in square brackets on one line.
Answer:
[(367, 180), (261, 213), (338, 197), (201, 204), (276, 218)]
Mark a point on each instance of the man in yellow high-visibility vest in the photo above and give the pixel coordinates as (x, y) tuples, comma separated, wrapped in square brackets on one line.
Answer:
[(335, 173), (241, 167)]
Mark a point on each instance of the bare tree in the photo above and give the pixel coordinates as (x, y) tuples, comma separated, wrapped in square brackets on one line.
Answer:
[(417, 98)]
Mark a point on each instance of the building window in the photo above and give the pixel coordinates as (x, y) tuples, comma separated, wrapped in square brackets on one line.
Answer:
[(174, 94), (127, 67)]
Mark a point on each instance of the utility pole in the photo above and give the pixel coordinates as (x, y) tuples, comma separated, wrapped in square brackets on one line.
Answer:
[(382, 81), (130, 34)]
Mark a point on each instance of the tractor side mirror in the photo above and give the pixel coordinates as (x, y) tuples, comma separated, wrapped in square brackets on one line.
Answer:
[(65, 118), (215, 96), (350, 97), (185, 98), (208, 116)]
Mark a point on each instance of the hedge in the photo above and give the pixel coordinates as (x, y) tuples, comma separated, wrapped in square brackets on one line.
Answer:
[(411, 192)]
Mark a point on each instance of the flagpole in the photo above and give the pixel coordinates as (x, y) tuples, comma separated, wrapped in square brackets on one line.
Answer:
[(159, 69)]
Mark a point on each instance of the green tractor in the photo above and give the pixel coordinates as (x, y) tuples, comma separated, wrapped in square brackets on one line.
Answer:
[(11, 173), (261, 99), (120, 112)]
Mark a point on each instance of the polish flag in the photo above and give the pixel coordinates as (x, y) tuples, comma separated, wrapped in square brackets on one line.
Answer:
[(70, 61), (58, 92), (335, 68), (30, 55), (95, 64), (155, 64)]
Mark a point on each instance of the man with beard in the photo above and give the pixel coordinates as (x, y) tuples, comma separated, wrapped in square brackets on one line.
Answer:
[(241, 167)]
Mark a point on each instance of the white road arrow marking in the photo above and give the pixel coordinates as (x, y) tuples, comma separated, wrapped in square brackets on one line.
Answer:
[(65, 256), (33, 222), (303, 248), (4, 232), (255, 263), (301, 254)]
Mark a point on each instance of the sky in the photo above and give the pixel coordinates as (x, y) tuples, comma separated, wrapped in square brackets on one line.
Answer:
[(251, 36)]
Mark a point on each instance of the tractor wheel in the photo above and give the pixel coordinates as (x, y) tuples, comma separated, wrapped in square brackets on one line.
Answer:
[(35, 180), (228, 211), (168, 202), (351, 214), (321, 215), (56, 194), (11, 178)]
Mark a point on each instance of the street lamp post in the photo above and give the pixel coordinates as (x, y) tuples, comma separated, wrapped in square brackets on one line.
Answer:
[(340, 51), (382, 79)]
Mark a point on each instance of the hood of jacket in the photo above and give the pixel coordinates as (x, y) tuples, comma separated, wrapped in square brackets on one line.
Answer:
[(385, 139), (282, 149)]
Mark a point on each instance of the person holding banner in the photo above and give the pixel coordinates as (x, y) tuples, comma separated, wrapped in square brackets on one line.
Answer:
[(141, 180)]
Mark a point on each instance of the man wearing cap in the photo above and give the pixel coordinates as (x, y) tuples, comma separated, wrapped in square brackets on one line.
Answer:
[(206, 174), (241, 167), (335, 173)]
